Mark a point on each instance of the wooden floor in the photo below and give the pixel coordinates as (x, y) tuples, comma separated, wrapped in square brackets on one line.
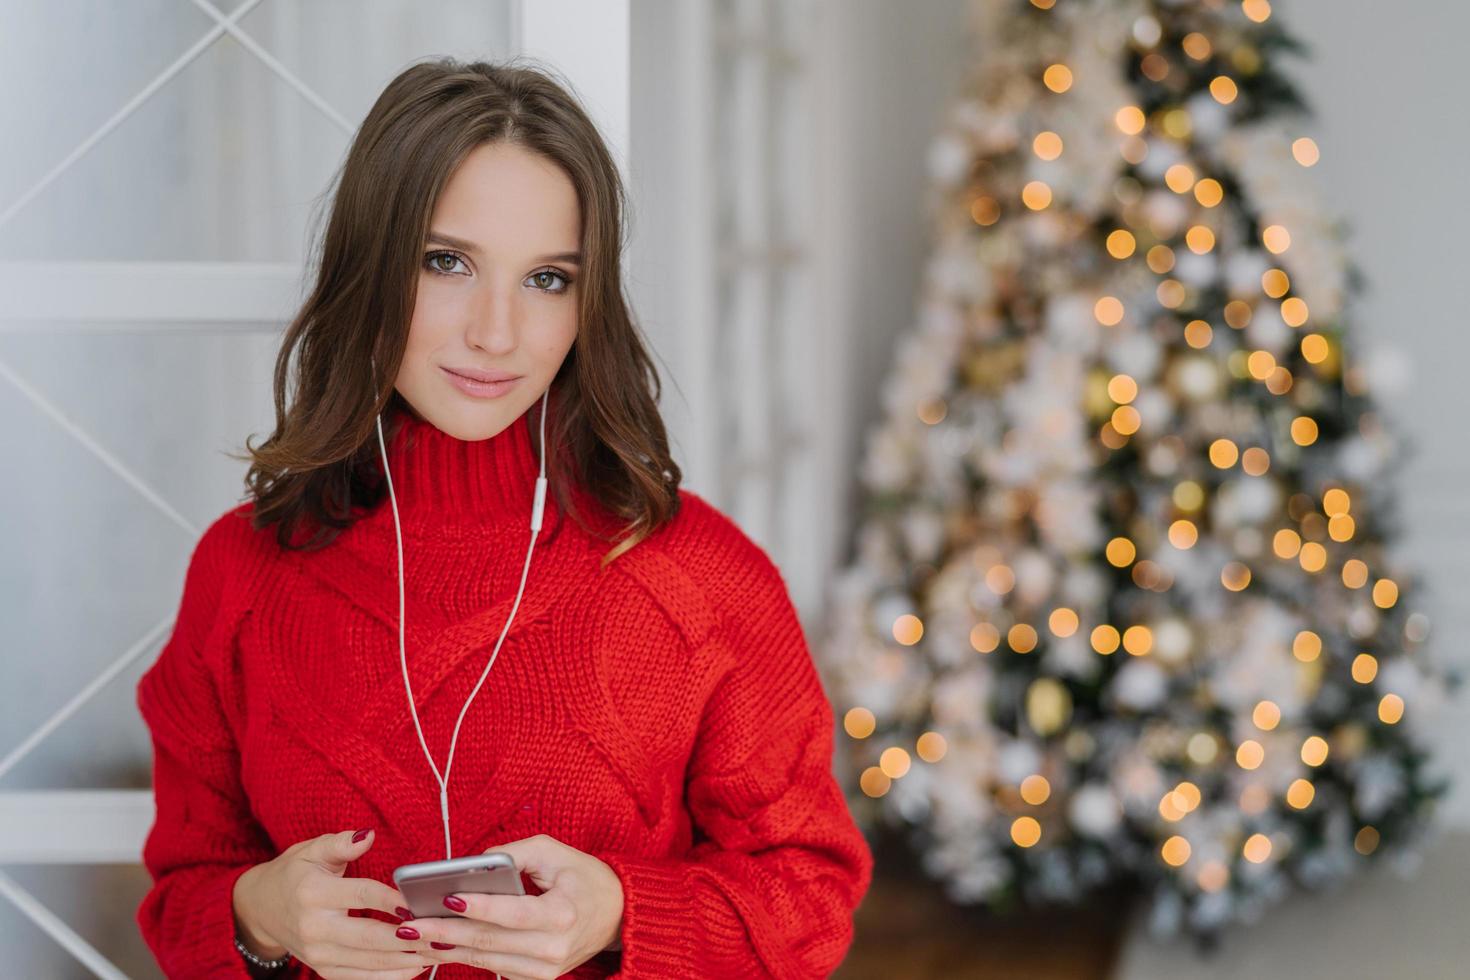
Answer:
[(907, 930)]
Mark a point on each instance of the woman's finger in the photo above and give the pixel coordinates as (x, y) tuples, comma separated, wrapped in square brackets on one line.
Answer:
[(368, 935), (363, 893), (371, 961)]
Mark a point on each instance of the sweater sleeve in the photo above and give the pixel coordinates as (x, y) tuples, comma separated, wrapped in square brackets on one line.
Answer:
[(778, 865), (204, 835)]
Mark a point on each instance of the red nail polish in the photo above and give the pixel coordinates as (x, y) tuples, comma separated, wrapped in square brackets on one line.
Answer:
[(360, 835), (442, 945), (455, 902), (403, 913), (407, 932)]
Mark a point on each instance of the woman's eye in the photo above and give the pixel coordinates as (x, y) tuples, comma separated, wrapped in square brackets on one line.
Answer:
[(432, 261), (565, 282)]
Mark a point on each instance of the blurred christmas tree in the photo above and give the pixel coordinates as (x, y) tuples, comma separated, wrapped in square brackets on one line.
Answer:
[(1123, 582)]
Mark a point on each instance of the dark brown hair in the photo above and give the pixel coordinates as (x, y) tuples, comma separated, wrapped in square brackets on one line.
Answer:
[(318, 466)]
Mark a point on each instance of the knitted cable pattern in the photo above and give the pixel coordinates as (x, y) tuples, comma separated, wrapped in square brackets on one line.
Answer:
[(663, 714)]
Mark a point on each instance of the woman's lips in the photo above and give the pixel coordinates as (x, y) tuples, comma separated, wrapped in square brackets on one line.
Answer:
[(479, 389)]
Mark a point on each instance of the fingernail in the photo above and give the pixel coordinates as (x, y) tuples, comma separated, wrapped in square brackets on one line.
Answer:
[(403, 913), (437, 945), (407, 932), (361, 834), (455, 902)]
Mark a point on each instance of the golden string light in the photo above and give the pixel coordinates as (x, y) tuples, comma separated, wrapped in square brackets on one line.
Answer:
[(1390, 709), (1223, 453), (931, 747), (1036, 195), (1365, 668), (1305, 152), (1294, 311), (1303, 430), (1179, 178), (1183, 534), (1121, 244), (1108, 310), (985, 210), (1196, 46), (1063, 622), (1307, 646), (1188, 495), (1286, 543), (1129, 120), (1275, 283), (1313, 557), (1250, 754), (1175, 851), (1354, 573), (1106, 639), (1197, 334), (1235, 576), (1300, 793), (1120, 552), (1021, 638), (908, 629), (1208, 192), (1200, 239), (1257, 10), (984, 638), (1025, 831), (859, 722), (1035, 789), (874, 782), (1276, 239), (1224, 89), (1057, 77), (1160, 259), (1171, 294), (1122, 389), (1047, 145), (894, 761)]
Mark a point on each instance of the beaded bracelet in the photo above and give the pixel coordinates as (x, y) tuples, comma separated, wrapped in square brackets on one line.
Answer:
[(263, 964)]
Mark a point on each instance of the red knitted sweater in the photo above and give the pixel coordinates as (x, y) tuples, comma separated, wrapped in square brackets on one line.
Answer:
[(663, 714)]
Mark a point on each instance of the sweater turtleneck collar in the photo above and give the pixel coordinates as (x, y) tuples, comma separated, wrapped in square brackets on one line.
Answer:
[(439, 479)]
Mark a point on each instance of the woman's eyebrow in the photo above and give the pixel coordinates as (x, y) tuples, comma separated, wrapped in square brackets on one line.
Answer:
[(440, 238)]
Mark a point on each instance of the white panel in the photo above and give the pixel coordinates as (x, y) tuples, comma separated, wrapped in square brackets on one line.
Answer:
[(74, 826), (147, 294)]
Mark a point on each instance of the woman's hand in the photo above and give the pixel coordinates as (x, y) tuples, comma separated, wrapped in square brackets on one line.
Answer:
[(299, 901), (530, 937)]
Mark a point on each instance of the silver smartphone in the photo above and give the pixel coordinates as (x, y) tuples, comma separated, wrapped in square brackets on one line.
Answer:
[(425, 884)]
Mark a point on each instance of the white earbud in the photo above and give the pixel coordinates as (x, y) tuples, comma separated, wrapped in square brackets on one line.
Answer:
[(536, 513)]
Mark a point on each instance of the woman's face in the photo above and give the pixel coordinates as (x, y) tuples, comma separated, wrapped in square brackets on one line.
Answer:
[(496, 290)]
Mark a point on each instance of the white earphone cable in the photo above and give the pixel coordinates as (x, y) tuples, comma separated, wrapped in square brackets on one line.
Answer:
[(536, 515)]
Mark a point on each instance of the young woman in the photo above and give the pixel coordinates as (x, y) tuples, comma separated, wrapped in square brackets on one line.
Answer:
[(653, 744)]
